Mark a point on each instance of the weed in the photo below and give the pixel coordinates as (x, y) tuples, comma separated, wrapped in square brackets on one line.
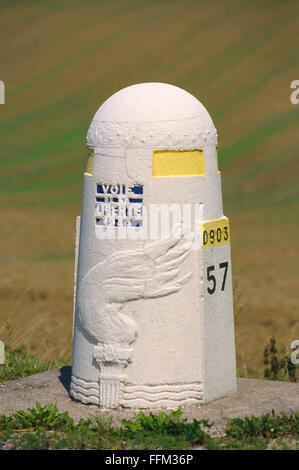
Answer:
[(259, 432), (19, 364), (278, 365), (267, 426), (47, 417), (166, 429)]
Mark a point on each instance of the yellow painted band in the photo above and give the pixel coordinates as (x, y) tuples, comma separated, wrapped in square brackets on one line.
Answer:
[(89, 166), (167, 163), (215, 232), (218, 170)]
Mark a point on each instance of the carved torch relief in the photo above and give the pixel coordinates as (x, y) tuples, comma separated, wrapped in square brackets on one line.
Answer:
[(148, 272)]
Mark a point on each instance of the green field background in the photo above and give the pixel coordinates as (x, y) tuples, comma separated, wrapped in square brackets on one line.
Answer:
[(60, 60)]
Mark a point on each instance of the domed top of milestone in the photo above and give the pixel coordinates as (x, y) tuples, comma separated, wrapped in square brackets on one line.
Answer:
[(147, 103)]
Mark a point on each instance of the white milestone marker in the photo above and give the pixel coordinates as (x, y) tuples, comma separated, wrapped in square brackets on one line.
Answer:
[(153, 309)]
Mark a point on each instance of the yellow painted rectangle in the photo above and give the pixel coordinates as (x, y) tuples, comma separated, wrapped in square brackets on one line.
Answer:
[(167, 163), (89, 167), (217, 158), (215, 233)]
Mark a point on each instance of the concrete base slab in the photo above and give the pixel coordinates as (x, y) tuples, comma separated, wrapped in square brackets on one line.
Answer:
[(254, 397)]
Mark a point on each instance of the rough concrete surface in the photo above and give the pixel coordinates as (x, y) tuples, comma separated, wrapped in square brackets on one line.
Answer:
[(254, 397)]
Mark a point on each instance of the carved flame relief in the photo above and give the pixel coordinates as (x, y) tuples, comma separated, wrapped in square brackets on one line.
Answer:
[(150, 272)]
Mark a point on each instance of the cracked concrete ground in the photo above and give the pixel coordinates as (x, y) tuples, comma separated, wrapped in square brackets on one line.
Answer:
[(254, 397)]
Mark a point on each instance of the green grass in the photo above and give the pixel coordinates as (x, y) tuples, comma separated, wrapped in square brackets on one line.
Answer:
[(256, 432), (44, 427), (20, 364), (46, 423)]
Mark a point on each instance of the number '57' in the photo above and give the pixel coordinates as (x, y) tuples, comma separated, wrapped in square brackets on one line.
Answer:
[(212, 279)]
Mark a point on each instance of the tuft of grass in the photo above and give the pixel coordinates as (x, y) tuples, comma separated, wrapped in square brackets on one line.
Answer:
[(268, 425), (46, 417), (170, 431), (278, 364), (19, 363), (258, 432)]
